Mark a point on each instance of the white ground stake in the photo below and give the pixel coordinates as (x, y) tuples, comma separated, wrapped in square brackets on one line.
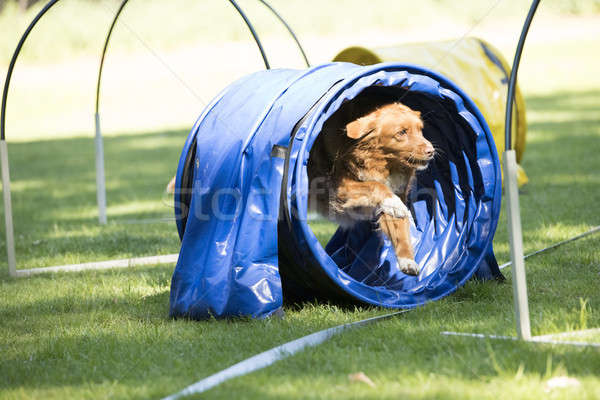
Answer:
[(100, 179), (8, 217), (518, 268), (515, 236), (514, 216)]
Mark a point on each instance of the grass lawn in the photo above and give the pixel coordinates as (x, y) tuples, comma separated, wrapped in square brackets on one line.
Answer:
[(60, 174), (106, 334)]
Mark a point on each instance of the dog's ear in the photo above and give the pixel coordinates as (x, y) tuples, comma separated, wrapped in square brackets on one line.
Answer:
[(360, 128)]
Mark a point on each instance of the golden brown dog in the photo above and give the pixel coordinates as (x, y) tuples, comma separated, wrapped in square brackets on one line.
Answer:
[(171, 186), (364, 172)]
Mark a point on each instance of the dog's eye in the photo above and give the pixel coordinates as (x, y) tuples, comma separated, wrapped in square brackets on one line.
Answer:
[(401, 133)]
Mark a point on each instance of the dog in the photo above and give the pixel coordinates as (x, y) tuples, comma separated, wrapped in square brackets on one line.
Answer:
[(170, 188), (366, 165)]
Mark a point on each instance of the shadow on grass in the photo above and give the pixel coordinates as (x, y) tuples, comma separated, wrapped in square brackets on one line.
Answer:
[(54, 197), (137, 167), (561, 160), (127, 338), (568, 101)]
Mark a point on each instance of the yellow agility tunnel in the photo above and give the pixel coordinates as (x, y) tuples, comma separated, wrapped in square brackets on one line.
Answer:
[(475, 66)]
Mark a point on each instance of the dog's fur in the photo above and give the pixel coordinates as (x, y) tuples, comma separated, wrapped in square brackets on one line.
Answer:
[(171, 186), (362, 168)]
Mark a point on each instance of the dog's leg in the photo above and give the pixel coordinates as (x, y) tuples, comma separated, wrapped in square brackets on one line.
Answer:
[(394, 221), (398, 230), (364, 200)]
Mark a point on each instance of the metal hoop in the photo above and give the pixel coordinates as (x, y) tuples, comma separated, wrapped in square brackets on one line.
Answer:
[(118, 14), (13, 62), (513, 76)]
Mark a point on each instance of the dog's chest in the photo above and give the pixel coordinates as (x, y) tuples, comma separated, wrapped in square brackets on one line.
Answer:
[(398, 182)]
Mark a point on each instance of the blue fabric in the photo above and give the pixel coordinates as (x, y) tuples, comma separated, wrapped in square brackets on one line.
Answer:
[(239, 259)]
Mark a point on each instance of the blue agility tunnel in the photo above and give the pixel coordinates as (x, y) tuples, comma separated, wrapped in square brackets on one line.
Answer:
[(242, 190)]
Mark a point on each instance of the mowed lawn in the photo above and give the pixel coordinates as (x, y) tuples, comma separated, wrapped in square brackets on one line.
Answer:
[(106, 334)]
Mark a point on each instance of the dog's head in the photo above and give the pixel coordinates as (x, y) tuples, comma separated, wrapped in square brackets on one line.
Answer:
[(397, 132)]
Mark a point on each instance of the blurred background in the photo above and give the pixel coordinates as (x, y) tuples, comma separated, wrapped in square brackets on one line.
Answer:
[(168, 58)]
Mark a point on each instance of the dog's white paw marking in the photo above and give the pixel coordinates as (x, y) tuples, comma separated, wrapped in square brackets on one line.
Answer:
[(394, 207), (408, 266)]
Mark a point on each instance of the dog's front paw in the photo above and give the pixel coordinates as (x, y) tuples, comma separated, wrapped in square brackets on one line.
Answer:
[(408, 266), (394, 207)]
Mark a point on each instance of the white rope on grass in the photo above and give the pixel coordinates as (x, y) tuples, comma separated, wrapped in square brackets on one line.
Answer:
[(555, 245), (550, 338), (545, 339), (273, 355), (582, 332), (124, 263), (285, 350)]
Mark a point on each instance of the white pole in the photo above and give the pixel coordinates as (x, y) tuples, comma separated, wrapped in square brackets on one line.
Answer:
[(516, 245), (100, 179), (8, 217)]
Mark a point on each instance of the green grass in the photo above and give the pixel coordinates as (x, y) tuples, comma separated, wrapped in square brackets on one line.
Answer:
[(106, 334), (60, 175)]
